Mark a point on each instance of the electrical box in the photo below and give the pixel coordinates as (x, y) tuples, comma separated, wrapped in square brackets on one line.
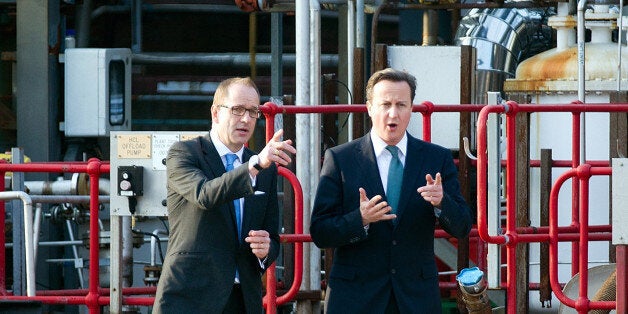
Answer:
[(97, 91), (138, 170), (130, 180)]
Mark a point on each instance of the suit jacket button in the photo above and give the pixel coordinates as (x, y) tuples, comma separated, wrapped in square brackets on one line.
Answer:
[(393, 271), (394, 242)]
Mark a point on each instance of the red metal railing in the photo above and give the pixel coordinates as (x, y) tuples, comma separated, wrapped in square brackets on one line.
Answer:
[(94, 168), (579, 230), (579, 224)]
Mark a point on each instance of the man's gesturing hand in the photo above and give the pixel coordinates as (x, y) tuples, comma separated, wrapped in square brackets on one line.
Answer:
[(432, 192), (374, 209), (277, 151)]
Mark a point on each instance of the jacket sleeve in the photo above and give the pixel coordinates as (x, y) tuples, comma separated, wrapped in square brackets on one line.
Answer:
[(336, 218), (455, 215), (271, 218), (187, 178)]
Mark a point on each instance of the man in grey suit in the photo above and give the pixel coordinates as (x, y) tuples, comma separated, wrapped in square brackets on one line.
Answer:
[(223, 211), (378, 201)]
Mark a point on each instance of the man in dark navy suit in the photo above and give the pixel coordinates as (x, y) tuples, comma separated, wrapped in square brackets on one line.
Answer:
[(378, 201)]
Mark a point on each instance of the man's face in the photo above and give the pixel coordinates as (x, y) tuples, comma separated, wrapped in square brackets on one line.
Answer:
[(233, 130), (390, 109)]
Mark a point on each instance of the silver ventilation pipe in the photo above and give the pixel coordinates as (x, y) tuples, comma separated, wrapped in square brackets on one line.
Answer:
[(502, 38)]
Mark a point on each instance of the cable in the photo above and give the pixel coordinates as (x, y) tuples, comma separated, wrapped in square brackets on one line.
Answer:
[(348, 115), (161, 253)]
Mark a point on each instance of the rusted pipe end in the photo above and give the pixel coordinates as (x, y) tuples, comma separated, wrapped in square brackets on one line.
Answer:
[(248, 5)]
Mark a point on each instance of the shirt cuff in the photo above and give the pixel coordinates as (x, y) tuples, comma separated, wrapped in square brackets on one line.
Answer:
[(262, 262)]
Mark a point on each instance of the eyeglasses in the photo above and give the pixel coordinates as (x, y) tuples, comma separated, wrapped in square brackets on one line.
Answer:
[(240, 110)]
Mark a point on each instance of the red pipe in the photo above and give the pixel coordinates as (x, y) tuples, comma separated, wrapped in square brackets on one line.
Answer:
[(553, 241), (513, 235), (68, 300), (582, 304), (482, 161), (271, 109), (575, 161), (91, 300), (427, 121), (3, 290), (101, 291), (511, 207), (621, 257), (289, 238), (143, 301), (271, 300), (298, 229)]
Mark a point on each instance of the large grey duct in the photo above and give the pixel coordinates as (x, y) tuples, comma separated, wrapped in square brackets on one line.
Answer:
[(502, 38)]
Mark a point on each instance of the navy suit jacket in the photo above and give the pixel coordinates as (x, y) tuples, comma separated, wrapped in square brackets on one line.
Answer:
[(203, 249), (391, 256)]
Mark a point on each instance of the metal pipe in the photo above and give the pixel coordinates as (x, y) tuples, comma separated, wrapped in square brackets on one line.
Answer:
[(360, 37), (92, 299), (127, 252), (170, 8), (511, 206), (28, 236), (153, 245), (51, 243), (3, 184), (72, 199), (83, 24), (79, 271), (302, 17), (225, 59), (581, 57), (620, 28), (36, 225), (62, 187), (315, 138), (136, 26), (350, 46), (298, 230), (252, 44)]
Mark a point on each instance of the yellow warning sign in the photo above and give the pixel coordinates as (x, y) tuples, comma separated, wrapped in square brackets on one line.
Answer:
[(134, 146)]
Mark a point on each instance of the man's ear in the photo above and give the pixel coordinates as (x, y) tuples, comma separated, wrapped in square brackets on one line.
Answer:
[(368, 107), (214, 114)]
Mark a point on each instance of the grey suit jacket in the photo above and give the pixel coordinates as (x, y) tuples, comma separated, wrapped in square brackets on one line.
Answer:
[(204, 250), (392, 256)]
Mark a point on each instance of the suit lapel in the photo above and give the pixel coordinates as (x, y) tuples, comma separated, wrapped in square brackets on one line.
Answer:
[(367, 163), (249, 204), (213, 162), (411, 173)]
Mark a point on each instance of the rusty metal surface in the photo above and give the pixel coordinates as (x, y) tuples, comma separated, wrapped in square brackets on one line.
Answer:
[(558, 70)]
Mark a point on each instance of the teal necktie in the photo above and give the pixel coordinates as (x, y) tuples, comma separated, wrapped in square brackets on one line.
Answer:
[(236, 203), (395, 177)]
